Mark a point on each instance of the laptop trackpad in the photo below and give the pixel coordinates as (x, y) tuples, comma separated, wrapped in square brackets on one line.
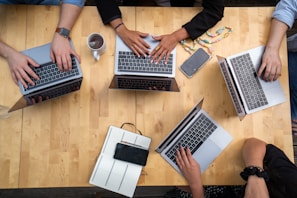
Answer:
[(207, 152)]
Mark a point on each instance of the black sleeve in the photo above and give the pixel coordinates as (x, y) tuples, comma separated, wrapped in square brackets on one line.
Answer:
[(213, 11), (281, 171), (108, 10)]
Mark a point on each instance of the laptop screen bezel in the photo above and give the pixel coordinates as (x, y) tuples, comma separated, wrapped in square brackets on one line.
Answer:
[(114, 83), (182, 124)]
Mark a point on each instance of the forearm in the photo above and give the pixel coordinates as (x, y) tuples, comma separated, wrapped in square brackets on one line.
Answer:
[(213, 11), (180, 34), (278, 30), (68, 15), (5, 50), (197, 191), (119, 27), (253, 152), (115, 23)]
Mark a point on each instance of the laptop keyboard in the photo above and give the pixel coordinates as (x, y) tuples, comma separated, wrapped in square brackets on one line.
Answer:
[(248, 81), (128, 62), (193, 138), (144, 84), (49, 72)]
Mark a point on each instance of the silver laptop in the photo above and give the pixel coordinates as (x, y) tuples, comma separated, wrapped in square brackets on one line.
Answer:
[(52, 83), (199, 132), (249, 92), (138, 73)]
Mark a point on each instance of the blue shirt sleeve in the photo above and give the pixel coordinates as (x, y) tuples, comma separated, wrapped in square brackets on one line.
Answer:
[(79, 3), (286, 12)]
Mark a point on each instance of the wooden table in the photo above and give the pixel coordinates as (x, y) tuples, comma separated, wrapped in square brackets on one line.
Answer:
[(56, 143)]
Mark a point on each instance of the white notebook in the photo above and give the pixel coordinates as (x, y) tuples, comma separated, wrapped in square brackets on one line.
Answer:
[(116, 175)]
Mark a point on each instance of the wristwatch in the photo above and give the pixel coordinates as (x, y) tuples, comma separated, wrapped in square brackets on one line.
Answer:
[(63, 32)]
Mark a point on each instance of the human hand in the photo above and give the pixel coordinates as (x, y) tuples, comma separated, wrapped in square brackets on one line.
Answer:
[(61, 51), (188, 166), (20, 69), (256, 188), (134, 40), (167, 44), (271, 65)]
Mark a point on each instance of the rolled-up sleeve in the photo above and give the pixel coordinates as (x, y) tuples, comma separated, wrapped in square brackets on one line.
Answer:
[(286, 12), (79, 3), (213, 11)]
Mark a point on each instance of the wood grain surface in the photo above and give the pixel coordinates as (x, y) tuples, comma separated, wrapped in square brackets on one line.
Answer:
[(56, 143)]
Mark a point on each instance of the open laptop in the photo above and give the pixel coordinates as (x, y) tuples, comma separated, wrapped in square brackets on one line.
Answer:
[(138, 73), (52, 83), (249, 92), (199, 132)]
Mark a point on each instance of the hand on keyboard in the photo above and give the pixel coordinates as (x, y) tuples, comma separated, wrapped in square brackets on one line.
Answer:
[(190, 170), (20, 69), (162, 51), (270, 68), (61, 52), (134, 40)]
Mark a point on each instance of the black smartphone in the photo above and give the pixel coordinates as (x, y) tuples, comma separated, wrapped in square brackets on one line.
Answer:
[(194, 62), (131, 153)]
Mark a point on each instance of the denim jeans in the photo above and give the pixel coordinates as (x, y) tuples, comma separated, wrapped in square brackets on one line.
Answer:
[(292, 64), (32, 2)]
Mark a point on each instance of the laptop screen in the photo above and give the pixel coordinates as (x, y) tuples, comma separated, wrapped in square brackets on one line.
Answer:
[(144, 83)]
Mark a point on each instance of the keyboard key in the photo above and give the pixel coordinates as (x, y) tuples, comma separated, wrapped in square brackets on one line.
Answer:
[(249, 83), (194, 137), (128, 62), (49, 72)]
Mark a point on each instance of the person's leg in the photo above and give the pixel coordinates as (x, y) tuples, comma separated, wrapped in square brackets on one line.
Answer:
[(48, 2), (31, 2), (292, 65)]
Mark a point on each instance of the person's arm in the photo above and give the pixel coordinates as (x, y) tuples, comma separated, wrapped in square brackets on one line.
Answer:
[(253, 155), (18, 64), (213, 11), (111, 14), (282, 19), (271, 65), (191, 171), (61, 48)]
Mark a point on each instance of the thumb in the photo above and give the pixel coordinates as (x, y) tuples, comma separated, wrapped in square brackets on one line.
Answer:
[(32, 62), (157, 37), (143, 35)]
